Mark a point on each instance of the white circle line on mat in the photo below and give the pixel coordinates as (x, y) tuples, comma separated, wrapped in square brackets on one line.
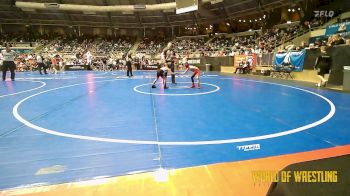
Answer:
[(177, 143), (217, 88), (32, 89)]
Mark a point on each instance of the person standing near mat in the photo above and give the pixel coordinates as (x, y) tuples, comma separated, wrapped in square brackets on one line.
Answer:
[(8, 57), (323, 66), (89, 59), (40, 63), (163, 73), (196, 72), (129, 66), (54, 64), (170, 60)]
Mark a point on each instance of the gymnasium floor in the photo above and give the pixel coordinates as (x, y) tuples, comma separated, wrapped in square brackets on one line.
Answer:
[(81, 126)]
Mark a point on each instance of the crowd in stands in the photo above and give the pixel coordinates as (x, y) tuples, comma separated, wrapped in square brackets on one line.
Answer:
[(270, 39), (84, 43), (152, 45), (218, 46), (101, 51), (6, 37), (332, 40), (23, 39), (107, 46), (266, 42), (188, 45), (110, 52), (56, 63)]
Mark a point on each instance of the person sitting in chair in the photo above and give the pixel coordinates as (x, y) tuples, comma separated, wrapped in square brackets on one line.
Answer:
[(241, 67), (249, 64)]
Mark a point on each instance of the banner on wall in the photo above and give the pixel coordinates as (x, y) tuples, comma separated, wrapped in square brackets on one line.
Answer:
[(245, 58), (75, 67), (338, 28), (20, 51), (194, 61), (296, 58)]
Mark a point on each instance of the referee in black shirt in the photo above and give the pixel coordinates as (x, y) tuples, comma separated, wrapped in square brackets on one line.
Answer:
[(323, 66), (8, 56)]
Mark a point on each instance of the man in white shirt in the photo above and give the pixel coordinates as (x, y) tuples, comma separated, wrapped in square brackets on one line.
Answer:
[(40, 63), (8, 57), (88, 58)]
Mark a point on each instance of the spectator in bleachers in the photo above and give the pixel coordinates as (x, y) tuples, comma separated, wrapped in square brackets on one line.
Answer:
[(151, 45), (336, 40)]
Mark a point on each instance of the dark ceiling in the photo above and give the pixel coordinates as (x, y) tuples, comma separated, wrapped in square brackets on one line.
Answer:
[(208, 13)]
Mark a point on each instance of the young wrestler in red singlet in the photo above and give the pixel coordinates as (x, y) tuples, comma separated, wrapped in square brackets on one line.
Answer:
[(196, 72)]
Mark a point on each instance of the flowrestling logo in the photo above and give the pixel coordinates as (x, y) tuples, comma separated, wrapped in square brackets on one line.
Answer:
[(323, 13), (249, 147)]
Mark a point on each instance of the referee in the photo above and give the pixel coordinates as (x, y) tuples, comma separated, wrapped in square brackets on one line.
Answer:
[(8, 56), (170, 60), (129, 65), (41, 64)]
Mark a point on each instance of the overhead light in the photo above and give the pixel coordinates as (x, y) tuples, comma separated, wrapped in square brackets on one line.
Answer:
[(259, 18), (256, 20), (52, 5), (288, 10), (299, 8), (250, 20), (216, 1), (28, 10), (228, 24), (250, 30), (243, 20), (289, 22), (264, 16), (89, 13), (187, 9), (293, 10), (168, 11), (239, 20), (128, 13), (139, 7)]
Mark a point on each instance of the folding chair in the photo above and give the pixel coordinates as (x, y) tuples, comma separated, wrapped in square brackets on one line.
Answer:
[(276, 71), (287, 70)]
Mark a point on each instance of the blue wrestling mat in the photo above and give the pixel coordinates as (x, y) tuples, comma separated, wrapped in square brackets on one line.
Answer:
[(85, 125)]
